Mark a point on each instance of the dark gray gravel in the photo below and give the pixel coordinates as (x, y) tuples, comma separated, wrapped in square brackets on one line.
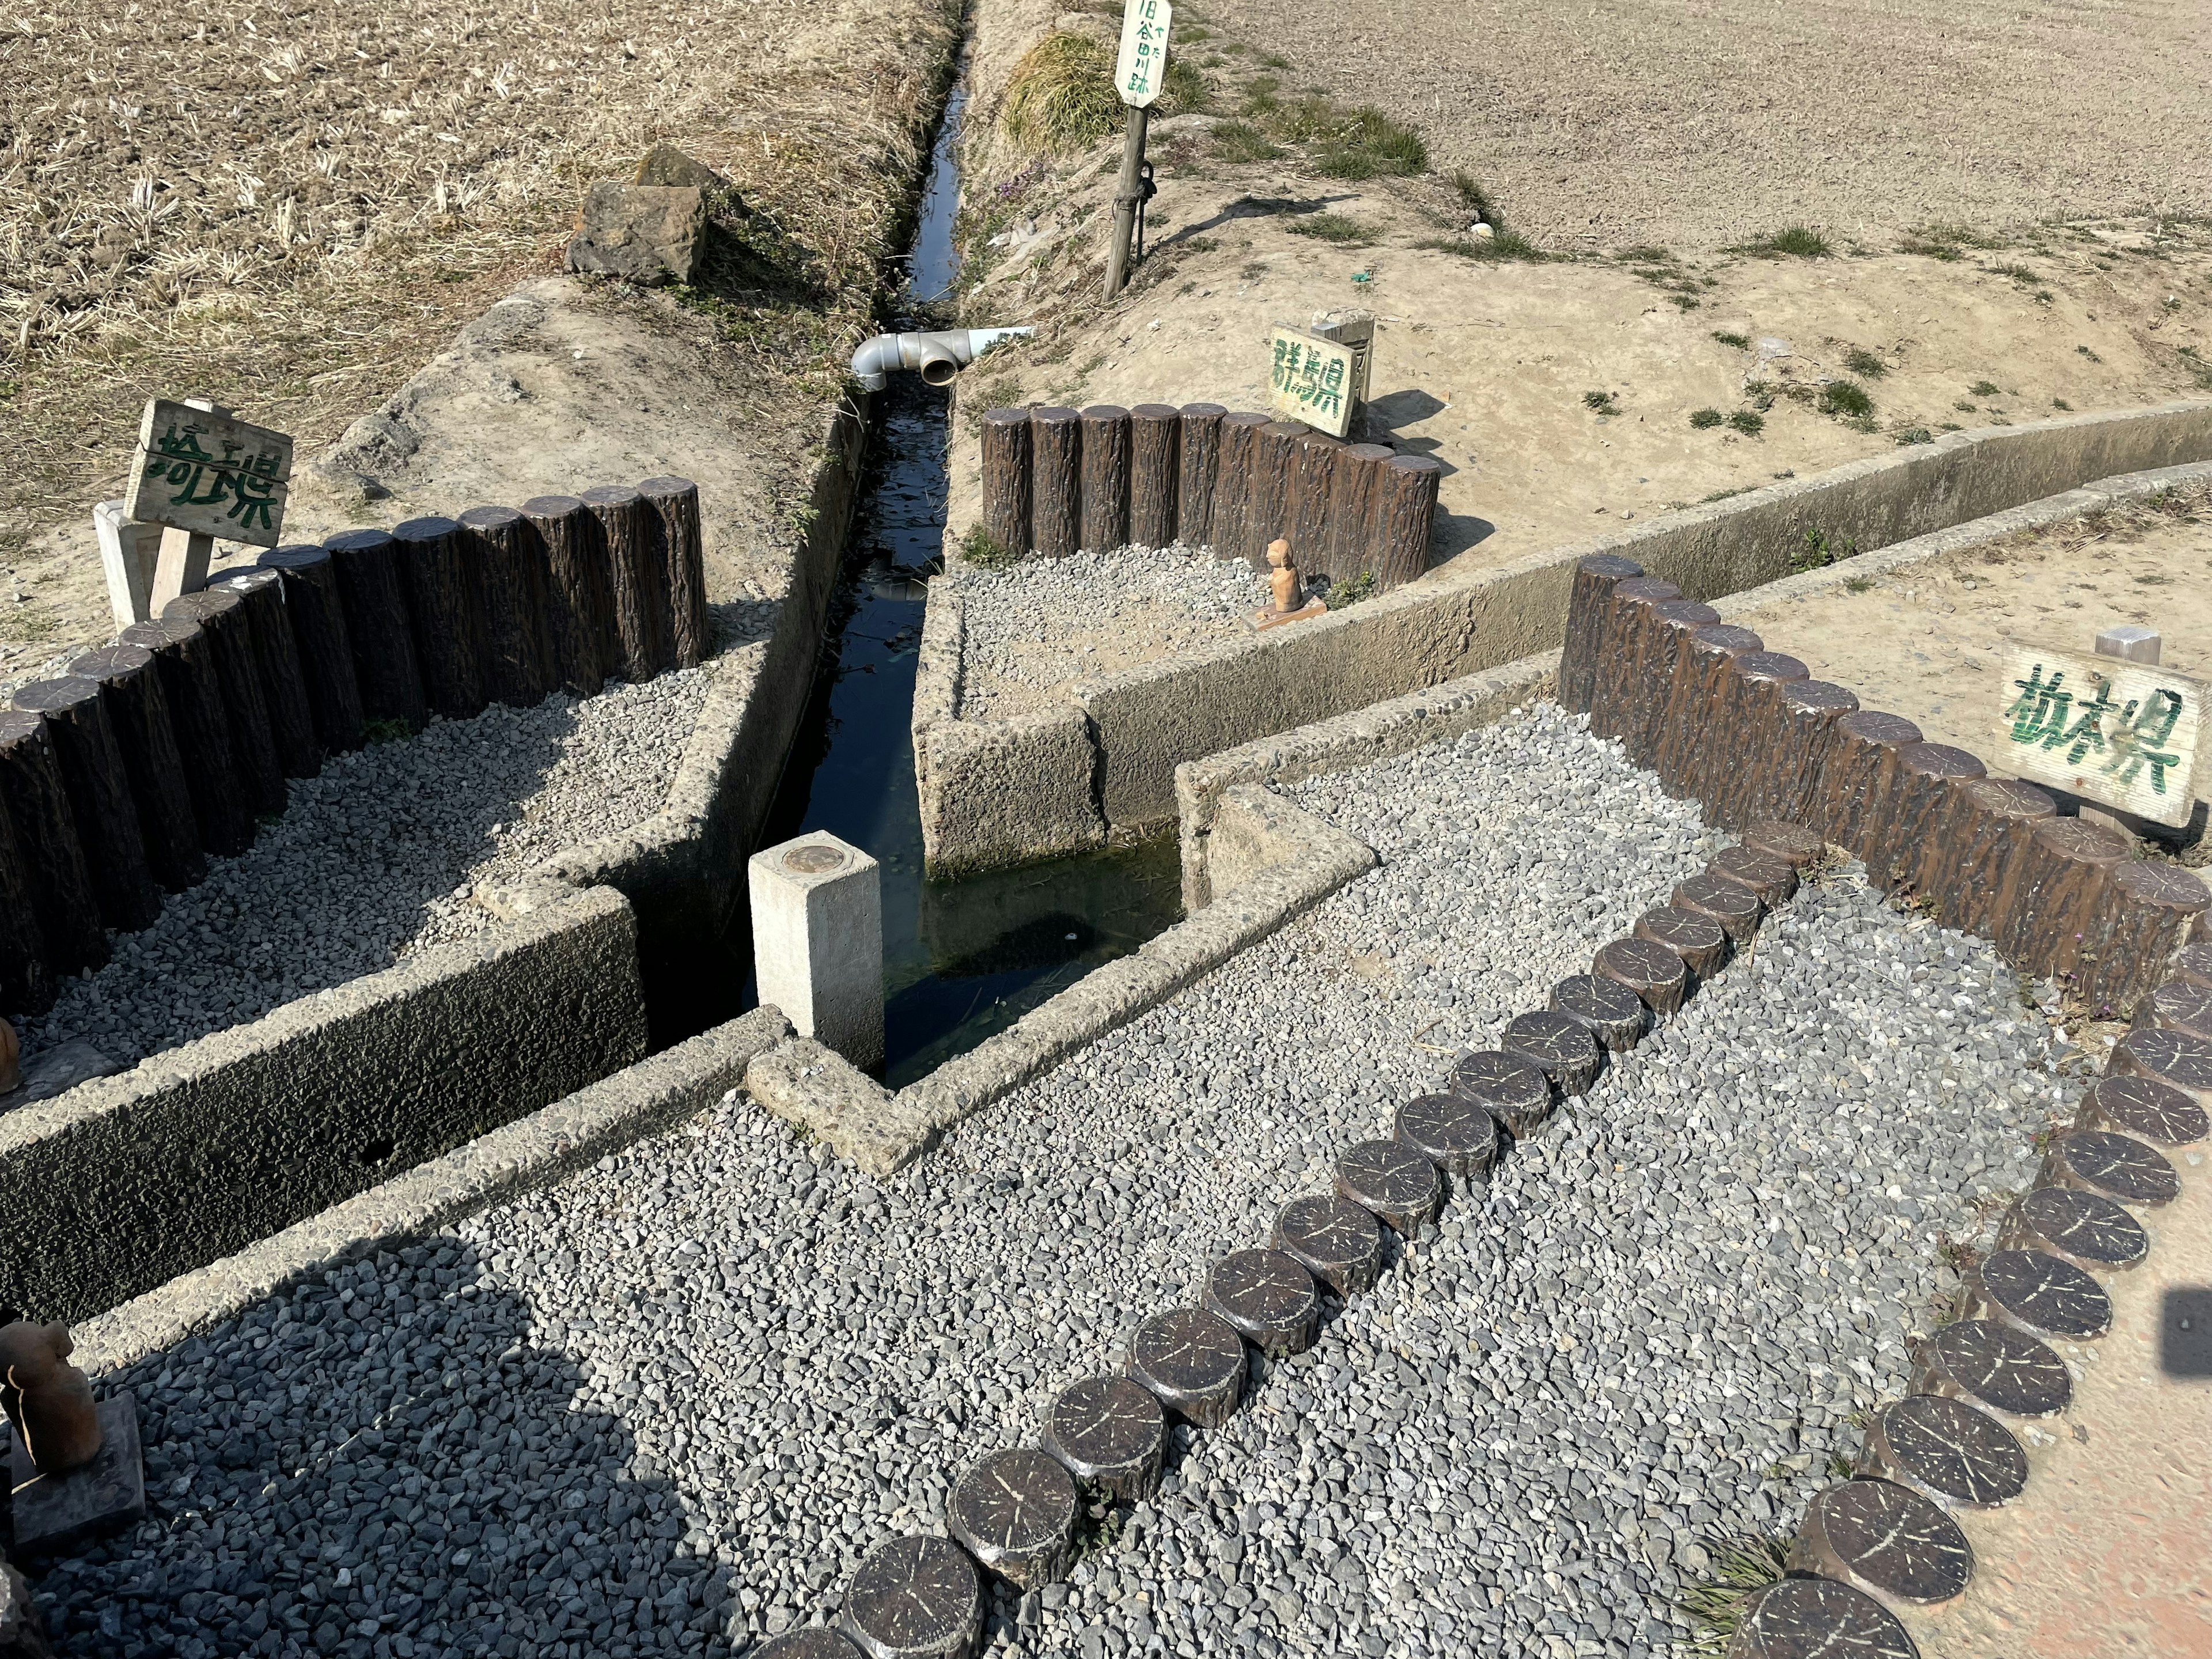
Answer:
[(675, 1398)]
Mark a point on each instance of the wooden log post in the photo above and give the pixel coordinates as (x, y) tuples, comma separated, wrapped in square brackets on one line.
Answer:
[(577, 620), (506, 560), (192, 688), (1750, 709), (1660, 646), (1589, 600), (1105, 447), (441, 606), (1313, 484), (100, 803), (1699, 941), (1056, 481), (1197, 473), (1793, 843), (1353, 496), (1155, 431), (1780, 780), (1404, 519), (1922, 782), (222, 619), (1854, 775), (2149, 911), (629, 534), (2048, 900), (675, 502), (1657, 975), (129, 683), (317, 613), (36, 800), (1957, 867), (1267, 504), (1006, 478), (1615, 676), (283, 682), (384, 662), (1692, 706), (26, 983), (1232, 489)]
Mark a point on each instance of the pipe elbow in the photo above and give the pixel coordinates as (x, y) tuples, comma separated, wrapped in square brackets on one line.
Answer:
[(936, 357), (874, 360)]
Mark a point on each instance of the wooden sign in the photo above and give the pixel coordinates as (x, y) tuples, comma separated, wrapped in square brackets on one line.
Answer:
[(209, 474), (1144, 61), (1313, 380), (2120, 733)]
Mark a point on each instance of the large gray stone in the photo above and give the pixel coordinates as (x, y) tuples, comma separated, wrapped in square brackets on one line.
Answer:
[(643, 234)]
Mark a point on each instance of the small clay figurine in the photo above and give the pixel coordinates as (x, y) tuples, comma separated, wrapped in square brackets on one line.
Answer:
[(11, 1072), (1284, 578), (48, 1399)]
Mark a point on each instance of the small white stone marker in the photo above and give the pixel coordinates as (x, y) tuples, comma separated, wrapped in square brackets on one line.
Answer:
[(818, 913), (127, 555), (2135, 644)]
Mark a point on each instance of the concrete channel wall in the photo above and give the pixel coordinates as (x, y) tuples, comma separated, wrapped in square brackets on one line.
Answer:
[(1103, 766), (122, 1183)]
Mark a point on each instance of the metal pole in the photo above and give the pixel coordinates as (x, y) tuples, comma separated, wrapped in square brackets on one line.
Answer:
[(1127, 195)]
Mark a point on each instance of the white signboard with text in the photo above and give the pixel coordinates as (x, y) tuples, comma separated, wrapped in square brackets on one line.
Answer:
[(1144, 60), (2122, 735)]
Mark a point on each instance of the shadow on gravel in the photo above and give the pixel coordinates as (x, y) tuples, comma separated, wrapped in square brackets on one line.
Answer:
[(343, 1473)]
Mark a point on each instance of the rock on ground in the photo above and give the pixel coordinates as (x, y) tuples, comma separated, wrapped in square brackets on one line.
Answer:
[(668, 1403)]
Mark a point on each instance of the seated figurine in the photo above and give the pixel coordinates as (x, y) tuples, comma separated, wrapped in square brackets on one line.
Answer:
[(48, 1399)]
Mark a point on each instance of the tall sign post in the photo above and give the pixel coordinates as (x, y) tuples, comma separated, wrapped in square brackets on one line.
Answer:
[(1136, 75)]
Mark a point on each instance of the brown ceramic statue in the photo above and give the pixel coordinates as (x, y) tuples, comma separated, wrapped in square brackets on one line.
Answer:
[(11, 1074), (1285, 577), (48, 1399)]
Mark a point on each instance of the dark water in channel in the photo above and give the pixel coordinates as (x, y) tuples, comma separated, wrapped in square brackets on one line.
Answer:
[(962, 959)]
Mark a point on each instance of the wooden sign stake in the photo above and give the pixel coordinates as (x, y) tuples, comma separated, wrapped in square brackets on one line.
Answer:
[(1138, 73)]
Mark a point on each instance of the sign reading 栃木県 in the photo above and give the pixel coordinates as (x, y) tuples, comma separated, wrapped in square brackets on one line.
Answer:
[(209, 475), (1312, 380), (1144, 60), (2119, 733)]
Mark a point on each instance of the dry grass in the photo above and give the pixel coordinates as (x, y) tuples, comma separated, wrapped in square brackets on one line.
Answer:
[(289, 212)]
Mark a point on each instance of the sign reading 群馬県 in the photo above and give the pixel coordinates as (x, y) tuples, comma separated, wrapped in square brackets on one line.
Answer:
[(1144, 61), (2119, 733), (1312, 380), (209, 475)]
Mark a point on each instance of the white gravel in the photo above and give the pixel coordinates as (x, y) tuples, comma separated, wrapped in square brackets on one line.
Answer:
[(375, 860), (1044, 623), (670, 1401)]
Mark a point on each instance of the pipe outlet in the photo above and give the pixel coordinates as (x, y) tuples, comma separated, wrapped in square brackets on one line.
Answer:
[(937, 357)]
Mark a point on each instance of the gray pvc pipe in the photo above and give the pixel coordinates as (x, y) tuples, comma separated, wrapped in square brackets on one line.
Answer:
[(939, 357)]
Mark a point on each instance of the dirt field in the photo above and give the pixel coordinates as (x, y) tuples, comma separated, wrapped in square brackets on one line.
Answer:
[(1560, 389), (1703, 124), (290, 212)]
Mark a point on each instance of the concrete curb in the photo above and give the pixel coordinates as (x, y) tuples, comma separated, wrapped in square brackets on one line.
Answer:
[(1143, 723), (1288, 860), (527, 1153)]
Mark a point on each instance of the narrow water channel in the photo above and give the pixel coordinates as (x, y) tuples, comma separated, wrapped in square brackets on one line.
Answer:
[(962, 959)]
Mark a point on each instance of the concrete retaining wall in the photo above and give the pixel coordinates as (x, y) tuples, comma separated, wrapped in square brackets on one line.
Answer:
[(1145, 722), (125, 1181)]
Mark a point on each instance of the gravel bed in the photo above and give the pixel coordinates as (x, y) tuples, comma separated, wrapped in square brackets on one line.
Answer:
[(375, 859), (1046, 621), (673, 1400)]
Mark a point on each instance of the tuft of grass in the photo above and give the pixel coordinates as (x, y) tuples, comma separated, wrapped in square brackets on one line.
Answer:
[(2090, 355), (1858, 584), (1986, 389), (986, 551), (1748, 422), (1915, 435), (1505, 246), (1368, 144), (386, 731), (2061, 402), (1603, 403), (1240, 141), (1795, 242), (1061, 97), (1476, 200), (1740, 1566), (1338, 228), (1705, 419), (1730, 337), (1341, 594), (1863, 362), (1846, 399), (1726, 495)]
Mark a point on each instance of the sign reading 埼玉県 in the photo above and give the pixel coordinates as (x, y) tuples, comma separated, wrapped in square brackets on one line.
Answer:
[(2119, 733), (1312, 380), (1144, 60), (209, 475)]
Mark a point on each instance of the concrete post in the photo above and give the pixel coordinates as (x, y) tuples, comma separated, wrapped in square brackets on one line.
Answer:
[(818, 912), (127, 555), (2130, 643)]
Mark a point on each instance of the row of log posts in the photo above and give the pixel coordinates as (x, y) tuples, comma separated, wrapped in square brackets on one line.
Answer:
[(120, 779), (1744, 732), (1057, 480)]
